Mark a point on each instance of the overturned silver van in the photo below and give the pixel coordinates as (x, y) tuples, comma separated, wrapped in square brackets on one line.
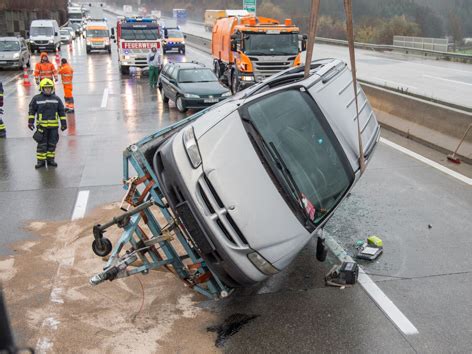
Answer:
[(254, 177)]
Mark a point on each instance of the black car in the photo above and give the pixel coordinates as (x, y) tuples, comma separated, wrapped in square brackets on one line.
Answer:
[(191, 85)]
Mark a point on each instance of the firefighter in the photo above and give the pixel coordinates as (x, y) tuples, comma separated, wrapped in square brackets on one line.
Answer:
[(67, 74), (44, 69), (48, 110), (3, 129)]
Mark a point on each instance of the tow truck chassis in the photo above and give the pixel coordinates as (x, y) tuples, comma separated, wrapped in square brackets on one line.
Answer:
[(151, 244)]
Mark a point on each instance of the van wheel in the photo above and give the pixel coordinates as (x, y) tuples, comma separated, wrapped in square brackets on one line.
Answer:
[(180, 104), (124, 70)]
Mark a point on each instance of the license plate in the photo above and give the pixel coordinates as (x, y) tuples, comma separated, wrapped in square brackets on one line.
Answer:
[(210, 100)]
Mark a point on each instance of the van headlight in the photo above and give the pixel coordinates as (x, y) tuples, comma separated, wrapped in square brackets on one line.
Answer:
[(246, 78), (261, 264), (226, 94), (191, 147), (51, 41), (16, 56), (191, 95)]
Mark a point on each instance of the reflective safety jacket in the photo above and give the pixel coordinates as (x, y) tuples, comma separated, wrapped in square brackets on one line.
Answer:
[(67, 73), (48, 111), (45, 70)]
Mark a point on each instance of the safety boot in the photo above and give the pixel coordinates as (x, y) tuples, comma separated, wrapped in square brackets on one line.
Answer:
[(39, 164), (52, 163), (3, 133)]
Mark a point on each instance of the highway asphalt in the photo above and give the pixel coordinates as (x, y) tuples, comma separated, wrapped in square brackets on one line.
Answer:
[(421, 213)]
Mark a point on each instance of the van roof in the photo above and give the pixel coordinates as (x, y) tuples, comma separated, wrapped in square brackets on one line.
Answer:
[(43, 23)]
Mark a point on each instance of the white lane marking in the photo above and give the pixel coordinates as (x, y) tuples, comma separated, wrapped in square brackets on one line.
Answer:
[(50, 324), (375, 293), (427, 161), (104, 98), (395, 83), (448, 80), (80, 205)]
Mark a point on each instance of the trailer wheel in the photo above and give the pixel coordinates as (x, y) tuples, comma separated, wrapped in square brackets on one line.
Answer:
[(102, 250)]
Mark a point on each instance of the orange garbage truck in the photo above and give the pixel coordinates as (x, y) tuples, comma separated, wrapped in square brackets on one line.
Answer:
[(249, 49)]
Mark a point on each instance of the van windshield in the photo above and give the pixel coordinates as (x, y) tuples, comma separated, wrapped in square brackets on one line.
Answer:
[(301, 151), (9, 46), (174, 34), (41, 31), (97, 33)]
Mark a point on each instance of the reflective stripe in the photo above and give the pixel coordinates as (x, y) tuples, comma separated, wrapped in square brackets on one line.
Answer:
[(2, 127), (31, 116), (66, 82), (51, 154), (63, 118), (41, 156), (47, 101)]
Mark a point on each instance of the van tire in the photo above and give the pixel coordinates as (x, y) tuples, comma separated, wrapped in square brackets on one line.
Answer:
[(124, 70)]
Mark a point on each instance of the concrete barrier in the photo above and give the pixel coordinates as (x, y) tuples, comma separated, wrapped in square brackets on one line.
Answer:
[(432, 124)]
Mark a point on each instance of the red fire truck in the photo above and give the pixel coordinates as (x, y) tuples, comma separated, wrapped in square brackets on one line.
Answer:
[(134, 37)]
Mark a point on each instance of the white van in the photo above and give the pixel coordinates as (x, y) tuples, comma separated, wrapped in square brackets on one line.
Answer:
[(44, 35)]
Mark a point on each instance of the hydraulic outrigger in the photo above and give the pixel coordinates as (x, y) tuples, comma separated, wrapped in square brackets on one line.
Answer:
[(149, 242)]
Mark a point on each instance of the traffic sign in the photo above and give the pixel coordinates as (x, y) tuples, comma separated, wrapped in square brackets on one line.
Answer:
[(249, 6)]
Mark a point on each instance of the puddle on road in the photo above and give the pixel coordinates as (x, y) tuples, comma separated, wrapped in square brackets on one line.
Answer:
[(230, 327)]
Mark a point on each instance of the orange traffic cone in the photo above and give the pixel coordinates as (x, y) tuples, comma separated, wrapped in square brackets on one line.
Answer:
[(26, 82), (58, 58)]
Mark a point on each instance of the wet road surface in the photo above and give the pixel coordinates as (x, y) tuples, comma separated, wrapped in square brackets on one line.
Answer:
[(426, 272)]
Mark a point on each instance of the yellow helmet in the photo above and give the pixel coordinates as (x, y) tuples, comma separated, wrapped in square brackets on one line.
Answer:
[(46, 83)]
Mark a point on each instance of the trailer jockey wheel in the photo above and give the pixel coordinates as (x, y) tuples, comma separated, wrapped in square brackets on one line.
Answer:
[(102, 248)]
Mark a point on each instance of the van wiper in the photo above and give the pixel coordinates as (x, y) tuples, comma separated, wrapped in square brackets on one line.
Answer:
[(282, 167), (289, 177)]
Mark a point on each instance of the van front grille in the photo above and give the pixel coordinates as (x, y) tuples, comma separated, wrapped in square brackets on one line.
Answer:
[(219, 213)]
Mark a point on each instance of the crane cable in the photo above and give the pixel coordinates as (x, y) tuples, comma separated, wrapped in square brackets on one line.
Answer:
[(352, 55), (315, 6)]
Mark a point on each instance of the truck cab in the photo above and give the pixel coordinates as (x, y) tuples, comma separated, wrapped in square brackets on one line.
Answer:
[(135, 36), (249, 49)]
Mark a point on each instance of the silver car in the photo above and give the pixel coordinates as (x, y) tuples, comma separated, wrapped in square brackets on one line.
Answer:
[(14, 53), (66, 37), (254, 177)]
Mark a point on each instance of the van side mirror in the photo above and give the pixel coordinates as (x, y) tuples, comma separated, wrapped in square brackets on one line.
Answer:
[(185, 36), (56, 34)]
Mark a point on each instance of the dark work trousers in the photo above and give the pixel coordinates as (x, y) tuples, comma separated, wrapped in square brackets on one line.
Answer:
[(47, 147)]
